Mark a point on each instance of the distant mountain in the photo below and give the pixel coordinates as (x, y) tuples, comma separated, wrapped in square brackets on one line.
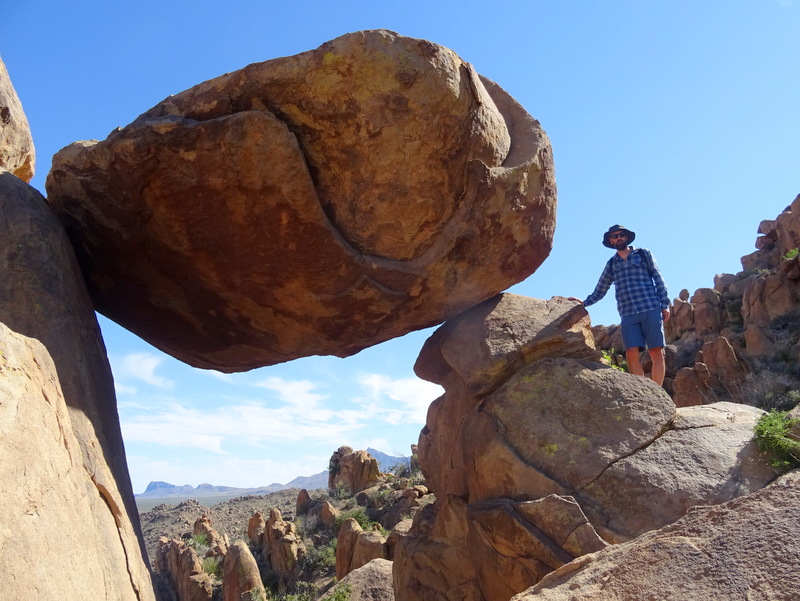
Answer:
[(165, 490), (387, 462)]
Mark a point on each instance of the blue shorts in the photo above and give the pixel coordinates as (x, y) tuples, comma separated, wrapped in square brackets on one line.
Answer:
[(643, 329)]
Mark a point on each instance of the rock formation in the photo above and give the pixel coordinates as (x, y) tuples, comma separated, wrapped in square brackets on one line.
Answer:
[(356, 547), (316, 511), (354, 470), (241, 579), (371, 582), (181, 566), (59, 432), (281, 548), (538, 457), (218, 545), (17, 154), (747, 548), (389, 504), (313, 204)]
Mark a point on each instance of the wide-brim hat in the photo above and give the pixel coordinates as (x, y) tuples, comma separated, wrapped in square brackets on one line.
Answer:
[(617, 228)]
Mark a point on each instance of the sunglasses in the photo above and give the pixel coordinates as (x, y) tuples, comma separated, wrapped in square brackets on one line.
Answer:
[(615, 236)]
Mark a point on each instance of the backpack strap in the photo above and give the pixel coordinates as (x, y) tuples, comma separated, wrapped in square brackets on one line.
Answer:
[(648, 261)]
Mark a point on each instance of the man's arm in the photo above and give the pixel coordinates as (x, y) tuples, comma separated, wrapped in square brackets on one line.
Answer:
[(603, 284)]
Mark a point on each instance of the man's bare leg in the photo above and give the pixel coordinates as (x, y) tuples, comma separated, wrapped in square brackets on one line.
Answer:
[(659, 367), (634, 364)]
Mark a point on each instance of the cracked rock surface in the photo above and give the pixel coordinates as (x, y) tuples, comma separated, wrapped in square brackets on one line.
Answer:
[(312, 204)]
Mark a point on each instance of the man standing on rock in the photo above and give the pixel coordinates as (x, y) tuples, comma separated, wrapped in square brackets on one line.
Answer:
[(642, 299)]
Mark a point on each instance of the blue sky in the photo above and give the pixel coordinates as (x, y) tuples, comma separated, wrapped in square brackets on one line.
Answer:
[(678, 119)]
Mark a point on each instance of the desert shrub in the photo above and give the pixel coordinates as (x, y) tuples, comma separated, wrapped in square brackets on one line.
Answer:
[(773, 434), (611, 358), (212, 566), (308, 524), (321, 557), (769, 390), (792, 253), (255, 594), (199, 542), (733, 309), (341, 593), (790, 322), (340, 492), (359, 514), (304, 591)]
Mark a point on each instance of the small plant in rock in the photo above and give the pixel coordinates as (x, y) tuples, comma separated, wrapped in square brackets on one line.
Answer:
[(611, 358), (212, 566), (791, 254), (199, 542), (773, 434)]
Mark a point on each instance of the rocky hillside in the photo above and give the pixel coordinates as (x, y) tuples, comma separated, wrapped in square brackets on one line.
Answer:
[(230, 518)]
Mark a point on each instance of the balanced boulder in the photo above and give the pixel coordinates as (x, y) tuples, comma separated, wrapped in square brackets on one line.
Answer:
[(313, 204)]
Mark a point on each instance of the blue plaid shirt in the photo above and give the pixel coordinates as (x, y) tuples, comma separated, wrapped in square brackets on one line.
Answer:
[(637, 281)]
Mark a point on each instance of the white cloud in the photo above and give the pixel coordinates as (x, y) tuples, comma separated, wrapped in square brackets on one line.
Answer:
[(142, 366), (122, 389), (219, 441), (398, 400)]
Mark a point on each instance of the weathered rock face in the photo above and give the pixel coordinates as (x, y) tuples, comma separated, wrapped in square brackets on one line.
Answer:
[(355, 470), (241, 579), (281, 549), (182, 568), (314, 204), (746, 548), (537, 459), (371, 582), (63, 467), (17, 154), (356, 547), (470, 355)]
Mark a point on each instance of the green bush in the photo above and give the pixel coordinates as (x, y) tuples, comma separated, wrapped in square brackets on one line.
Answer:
[(212, 566), (341, 593), (791, 254), (322, 557), (304, 591), (773, 434), (359, 514), (610, 357)]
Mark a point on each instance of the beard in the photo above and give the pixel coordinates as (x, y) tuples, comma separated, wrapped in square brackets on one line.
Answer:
[(621, 244)]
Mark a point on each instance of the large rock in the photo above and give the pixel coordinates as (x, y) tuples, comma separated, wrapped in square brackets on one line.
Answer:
[(63, 471), (17, 154), (371, 582), (313, 204), (748, 548), (180, 565), (527, 447), (354, 470), (356, 547), (241, 579)]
